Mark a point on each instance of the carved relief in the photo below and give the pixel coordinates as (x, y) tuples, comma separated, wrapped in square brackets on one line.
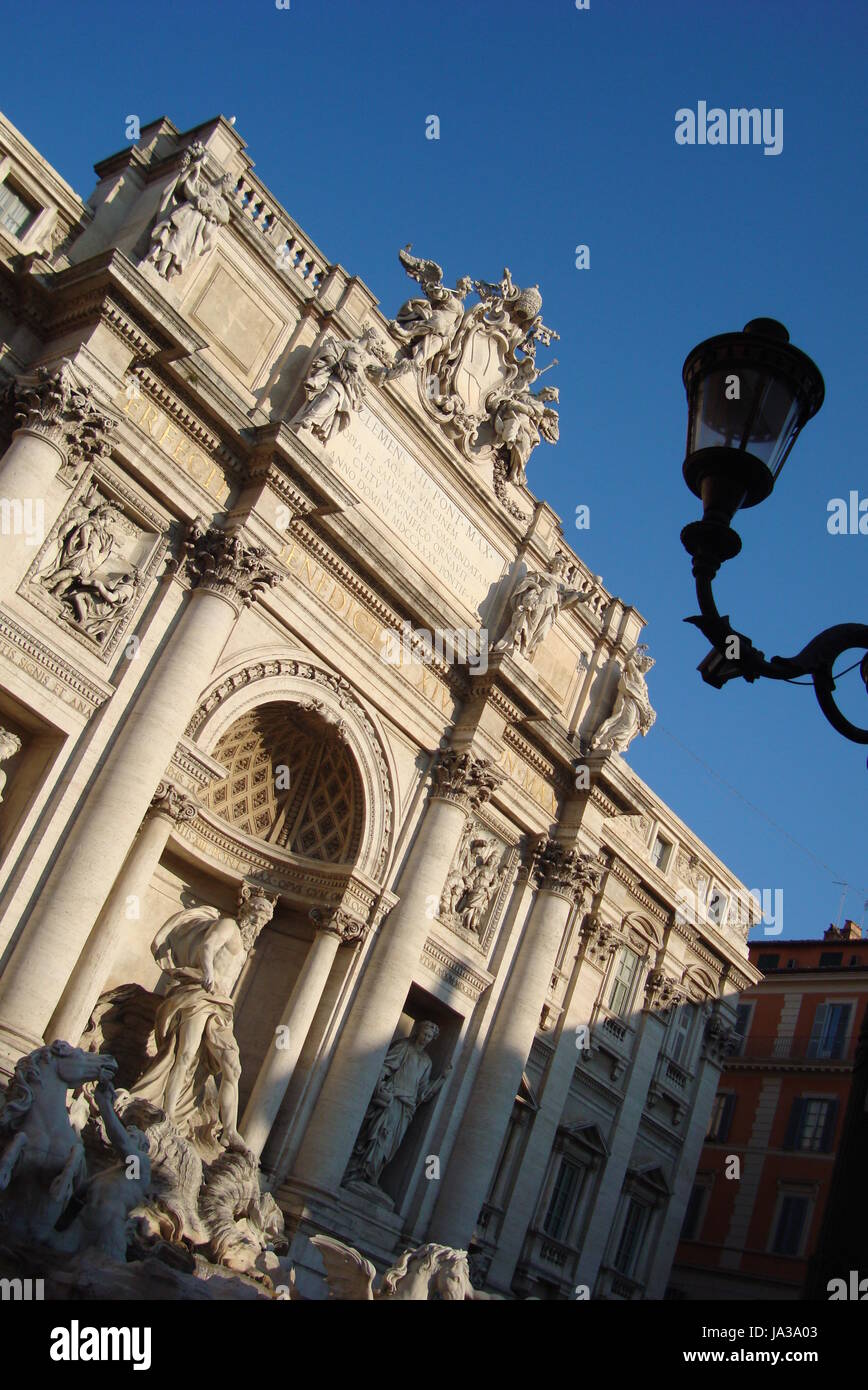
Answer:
[(94, 567), (473, 881)]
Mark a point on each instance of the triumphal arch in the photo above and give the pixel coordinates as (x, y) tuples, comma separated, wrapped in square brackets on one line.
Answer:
[(317, 814)]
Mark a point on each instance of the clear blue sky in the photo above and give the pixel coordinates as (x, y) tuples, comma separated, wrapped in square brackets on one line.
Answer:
[(557, 128)]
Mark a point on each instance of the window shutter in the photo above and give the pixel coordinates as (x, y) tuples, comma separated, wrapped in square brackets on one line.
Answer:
[(726, 1118), (817, 1029), (794, 1124), (829, 1127), (842, 1022)]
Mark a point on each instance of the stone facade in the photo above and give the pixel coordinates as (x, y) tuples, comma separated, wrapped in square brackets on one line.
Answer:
[(277, 608)]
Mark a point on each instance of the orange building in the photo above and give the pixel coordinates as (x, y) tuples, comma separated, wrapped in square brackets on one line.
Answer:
[(754, 1216)]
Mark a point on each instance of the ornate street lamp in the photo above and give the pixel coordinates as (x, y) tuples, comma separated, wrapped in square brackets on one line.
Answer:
[(748, 396)]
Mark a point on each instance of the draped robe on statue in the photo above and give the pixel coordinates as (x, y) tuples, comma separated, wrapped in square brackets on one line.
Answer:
[(402, 1088)]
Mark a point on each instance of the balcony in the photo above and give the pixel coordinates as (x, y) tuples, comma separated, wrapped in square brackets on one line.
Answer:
[(618, 1286), (759, 1047)]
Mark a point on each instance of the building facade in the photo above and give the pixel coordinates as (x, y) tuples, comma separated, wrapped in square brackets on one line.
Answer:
[(750, 1232), (280, 617)]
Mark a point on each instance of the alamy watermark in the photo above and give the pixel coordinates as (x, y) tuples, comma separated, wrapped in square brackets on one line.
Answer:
[(23, 516), (462, 646), (759, 906), (740, 125)]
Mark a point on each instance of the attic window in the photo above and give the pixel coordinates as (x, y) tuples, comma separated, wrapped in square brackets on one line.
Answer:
[(17, 213)]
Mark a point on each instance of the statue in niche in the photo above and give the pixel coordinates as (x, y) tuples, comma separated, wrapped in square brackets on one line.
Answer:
[(521, 417), (335, 385), (203, 953), (535, 604), (10, 744), (632, 714), (195, 209), (427, 326), (471, 885), (403, 1086)]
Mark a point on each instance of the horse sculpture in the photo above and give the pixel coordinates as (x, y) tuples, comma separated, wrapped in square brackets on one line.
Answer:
[(42, 1151), (431, 1269)]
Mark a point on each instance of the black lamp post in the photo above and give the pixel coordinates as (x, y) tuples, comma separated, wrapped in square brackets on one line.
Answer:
[(748, 396)]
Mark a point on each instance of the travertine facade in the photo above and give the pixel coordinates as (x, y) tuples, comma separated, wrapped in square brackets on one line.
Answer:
[(277, 609)]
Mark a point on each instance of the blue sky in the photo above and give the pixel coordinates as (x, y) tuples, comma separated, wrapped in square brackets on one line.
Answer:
[(557, 128)]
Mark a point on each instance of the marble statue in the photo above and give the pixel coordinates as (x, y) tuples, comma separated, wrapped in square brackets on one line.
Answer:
[(471, 884), (522, 417), (87, 539), (436, 1269), (10, 744), (335, 385), (99, 603), (203, 952), (427, 326), (191, 213), (534, 607), (403, 1086), (106, 1221), (42, 1159), (632, 714)]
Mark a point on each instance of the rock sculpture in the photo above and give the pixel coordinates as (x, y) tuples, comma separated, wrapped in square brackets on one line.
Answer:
[(203, 952), (336, 384), (632, 714), (403, 1086), (436, 1269), (191, 213), (107, 1221), (535, 604), (10, 744)]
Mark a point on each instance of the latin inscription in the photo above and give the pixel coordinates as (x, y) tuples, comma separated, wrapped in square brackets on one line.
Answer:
[(433, 527)]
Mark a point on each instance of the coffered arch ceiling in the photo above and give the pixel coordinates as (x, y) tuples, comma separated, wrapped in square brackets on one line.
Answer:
[(291, 782)]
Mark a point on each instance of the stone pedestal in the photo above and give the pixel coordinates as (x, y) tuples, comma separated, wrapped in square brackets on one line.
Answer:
[(461, 781), (562, 875)]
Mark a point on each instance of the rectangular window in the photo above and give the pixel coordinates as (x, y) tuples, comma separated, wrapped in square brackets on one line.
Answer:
[(566, 1190), (811, 1126), (621, 993), (743, 1014), (767, 961), (16, 213), (829, 960), (693, 1211), (787, 1239), (660, 852), (681, 1028), (829, 1033), (632, 1235), (721, 1117)]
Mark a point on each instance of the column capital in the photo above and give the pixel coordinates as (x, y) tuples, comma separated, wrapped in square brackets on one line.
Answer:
[(338, 922), (563, 869), (169, 801), (223, 562), (464, 780), (601, 940), (55, 405), (661, 992)]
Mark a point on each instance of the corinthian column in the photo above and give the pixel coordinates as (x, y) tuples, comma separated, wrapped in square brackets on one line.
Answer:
[(227, 574), (169, 807), (461, 782), (57, 423), (563, 876), (276, 1071)]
